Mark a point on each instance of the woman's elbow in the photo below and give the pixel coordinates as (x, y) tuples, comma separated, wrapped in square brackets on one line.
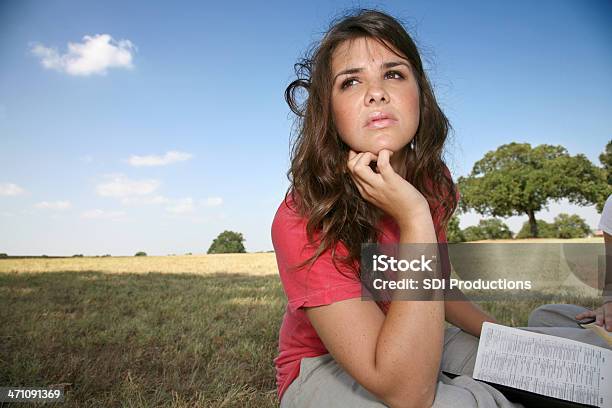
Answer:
[(409, 398)]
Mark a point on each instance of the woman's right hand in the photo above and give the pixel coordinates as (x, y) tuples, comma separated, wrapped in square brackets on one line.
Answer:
[(386, 189), (602, 315)]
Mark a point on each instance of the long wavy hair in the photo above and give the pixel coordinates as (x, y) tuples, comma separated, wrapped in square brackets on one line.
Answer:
[(320, 184)]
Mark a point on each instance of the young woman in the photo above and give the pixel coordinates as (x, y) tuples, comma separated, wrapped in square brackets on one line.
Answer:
[(367, 167)]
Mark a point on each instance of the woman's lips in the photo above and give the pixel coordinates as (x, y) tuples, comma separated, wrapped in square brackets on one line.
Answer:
[(381, 123)]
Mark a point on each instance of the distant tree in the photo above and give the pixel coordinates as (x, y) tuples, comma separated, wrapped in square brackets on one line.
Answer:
[(473, 233), (188, 253), (3, 255), (518, 179), (545, 230), (106, 255), (571, 226), (491, 228), (563, 226), (77, 256), (227, 242), (453, 232), (140, 253)]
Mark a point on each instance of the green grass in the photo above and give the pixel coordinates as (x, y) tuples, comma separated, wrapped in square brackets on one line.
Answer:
[(142, 340), (158, 339)]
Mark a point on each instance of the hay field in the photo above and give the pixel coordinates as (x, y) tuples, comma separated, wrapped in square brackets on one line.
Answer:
[(167, 331), (256, 264)]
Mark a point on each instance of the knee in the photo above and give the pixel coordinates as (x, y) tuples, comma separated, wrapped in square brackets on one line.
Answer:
[(540, 315)]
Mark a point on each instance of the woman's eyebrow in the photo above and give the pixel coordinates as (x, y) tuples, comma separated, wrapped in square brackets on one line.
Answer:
[(384, 65)]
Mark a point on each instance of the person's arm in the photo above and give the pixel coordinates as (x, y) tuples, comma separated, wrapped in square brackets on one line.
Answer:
[(396, 357), (465, 314), (603, 314), (607, 291)]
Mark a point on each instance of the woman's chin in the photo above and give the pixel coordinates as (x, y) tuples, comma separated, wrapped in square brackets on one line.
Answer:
[(384, 143)]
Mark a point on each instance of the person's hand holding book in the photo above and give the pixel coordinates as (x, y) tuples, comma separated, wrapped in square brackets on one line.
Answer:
[(602, 315)]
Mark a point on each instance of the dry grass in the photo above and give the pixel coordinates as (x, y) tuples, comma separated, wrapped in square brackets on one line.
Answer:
[(142, 340), (175, 331), (257, 264), (590, 240)]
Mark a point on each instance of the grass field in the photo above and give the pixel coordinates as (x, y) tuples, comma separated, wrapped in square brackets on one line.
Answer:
[(179, 331)]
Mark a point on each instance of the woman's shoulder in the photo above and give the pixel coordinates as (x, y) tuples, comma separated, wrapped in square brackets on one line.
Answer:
[(287, 220), (287, 209)]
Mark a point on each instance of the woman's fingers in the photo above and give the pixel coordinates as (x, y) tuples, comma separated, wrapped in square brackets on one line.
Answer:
[(351, 163), (607, 310), (599, 317), (384, 165), (353, 157), (583, 315), (363, 170), (366, 179)]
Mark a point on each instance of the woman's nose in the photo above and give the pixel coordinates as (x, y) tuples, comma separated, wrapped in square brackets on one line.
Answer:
[(376, 94)]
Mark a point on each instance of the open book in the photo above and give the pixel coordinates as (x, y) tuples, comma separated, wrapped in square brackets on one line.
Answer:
[(544, 365), (599, 330)]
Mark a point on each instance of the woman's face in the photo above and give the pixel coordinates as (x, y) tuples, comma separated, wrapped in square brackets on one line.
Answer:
[(375, 97)]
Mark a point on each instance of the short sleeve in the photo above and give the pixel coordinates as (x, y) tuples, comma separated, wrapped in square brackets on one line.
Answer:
[(311, 285), (605, 223)]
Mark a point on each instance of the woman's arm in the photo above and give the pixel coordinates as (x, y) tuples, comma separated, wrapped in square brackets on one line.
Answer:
[(396, 357), (465, 314)]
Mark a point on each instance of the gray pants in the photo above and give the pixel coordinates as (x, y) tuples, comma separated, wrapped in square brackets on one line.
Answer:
[(323, 383)]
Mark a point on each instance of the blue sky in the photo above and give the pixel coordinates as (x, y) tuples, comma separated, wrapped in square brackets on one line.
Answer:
[(165, 124)]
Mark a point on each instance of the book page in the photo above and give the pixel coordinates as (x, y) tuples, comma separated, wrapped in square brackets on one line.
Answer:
[(544, 364)]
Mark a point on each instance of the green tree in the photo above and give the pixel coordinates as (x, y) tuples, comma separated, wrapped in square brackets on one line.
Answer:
[(517, 179), (227, 242), (473, 233), (494, 228), (545, 230), (491, 228), (563, 226), (571, 226), (140, 253), (453, 232)]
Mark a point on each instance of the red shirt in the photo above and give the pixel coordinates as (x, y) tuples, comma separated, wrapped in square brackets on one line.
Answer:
[(322, 284)]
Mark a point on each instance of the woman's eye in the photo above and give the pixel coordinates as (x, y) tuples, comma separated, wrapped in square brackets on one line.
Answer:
[(348, 82), (394, 73), (389, 75)]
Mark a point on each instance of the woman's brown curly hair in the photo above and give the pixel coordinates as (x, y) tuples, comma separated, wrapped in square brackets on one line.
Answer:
[(320, 184)]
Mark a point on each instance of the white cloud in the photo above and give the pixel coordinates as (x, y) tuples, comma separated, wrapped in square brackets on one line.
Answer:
[(144, 200), (10, 189), (94, 55), (182, 206), (212, 201), (56, 205), (121, 186), (102, 214), (86, 159), (152, 160)]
